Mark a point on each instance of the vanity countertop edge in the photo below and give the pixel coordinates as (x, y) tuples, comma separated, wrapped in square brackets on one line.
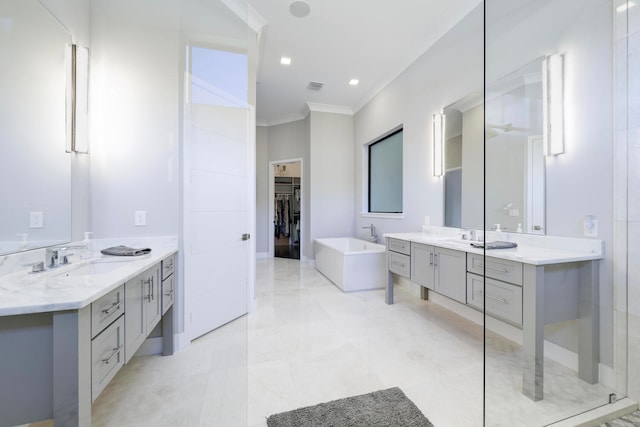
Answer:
[(527, 254), (25, 293)]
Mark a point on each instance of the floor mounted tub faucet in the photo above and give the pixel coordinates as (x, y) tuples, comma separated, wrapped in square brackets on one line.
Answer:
[(373, 237)]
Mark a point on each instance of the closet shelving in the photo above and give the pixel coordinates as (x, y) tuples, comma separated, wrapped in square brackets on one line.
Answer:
[(287, 208)]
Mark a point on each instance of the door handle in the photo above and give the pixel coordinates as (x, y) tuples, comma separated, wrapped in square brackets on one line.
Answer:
[(246, 236)]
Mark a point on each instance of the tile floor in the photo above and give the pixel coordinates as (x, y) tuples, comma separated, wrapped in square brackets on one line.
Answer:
[(308, 342)]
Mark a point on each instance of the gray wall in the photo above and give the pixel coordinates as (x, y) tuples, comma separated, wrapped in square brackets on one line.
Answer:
[(332, 177), (262, 190), (324, 143)]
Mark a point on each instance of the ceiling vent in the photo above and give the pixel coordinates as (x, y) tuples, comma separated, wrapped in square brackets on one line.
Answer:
[(315, 85)]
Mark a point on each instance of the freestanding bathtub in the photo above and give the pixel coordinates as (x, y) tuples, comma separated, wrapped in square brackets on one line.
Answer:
[(352, 264)]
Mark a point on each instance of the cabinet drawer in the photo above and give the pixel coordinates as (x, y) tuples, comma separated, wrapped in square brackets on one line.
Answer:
[(401, 246), (168, 266), (107, 356), (503, 299), (400, 264), (501, 269), (168, 290), (107, 309)]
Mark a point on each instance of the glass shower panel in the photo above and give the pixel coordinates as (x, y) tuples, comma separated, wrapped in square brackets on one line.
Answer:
[(550, 332), (216, 123)]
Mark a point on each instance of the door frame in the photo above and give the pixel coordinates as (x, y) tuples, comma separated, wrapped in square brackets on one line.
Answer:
[(272, 193)]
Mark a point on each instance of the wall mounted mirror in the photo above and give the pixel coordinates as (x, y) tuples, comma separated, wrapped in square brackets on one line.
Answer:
[(35, 171), (511, 122)]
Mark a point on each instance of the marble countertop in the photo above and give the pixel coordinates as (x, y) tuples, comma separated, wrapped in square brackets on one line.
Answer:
[(57, 289), (536, 250)]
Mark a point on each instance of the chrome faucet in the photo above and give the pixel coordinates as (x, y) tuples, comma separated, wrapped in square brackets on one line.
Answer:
[(59, 255), (373, 238)]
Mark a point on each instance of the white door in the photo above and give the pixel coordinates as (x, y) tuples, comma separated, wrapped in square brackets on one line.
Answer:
[(217, 223)]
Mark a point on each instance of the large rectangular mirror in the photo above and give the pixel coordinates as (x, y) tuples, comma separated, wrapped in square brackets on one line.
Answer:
[(35, 171), (509, 125)]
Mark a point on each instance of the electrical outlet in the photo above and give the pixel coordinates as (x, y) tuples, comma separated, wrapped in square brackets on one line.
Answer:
[(590, 226), (36, 219), (140, 218), (514, 212)]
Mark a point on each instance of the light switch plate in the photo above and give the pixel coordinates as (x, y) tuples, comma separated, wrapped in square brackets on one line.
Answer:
[(140, 218), (590, 226), (36, 219)]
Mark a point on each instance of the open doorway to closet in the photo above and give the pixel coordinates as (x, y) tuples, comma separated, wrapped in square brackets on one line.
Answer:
[(287, 209)]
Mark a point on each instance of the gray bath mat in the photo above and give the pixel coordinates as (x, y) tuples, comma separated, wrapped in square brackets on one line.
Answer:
[(384, 408)]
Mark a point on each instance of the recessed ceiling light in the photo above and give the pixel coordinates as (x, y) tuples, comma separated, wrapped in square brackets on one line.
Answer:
[(285, 61), (299, 9), (625, 6), (354, 82)]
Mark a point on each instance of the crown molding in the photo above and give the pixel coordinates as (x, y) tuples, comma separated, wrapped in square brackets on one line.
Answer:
[(327, 108)]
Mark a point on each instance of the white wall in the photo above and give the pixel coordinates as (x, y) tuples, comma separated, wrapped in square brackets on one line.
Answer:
[(448, 71), (135, 121)]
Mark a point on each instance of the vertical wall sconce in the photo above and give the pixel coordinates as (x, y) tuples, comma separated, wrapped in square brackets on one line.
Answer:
[(77, 104), (438, 144), (553, 104)]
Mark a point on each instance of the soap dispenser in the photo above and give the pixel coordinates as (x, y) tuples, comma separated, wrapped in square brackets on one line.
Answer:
[(519, 229), (86, 245)]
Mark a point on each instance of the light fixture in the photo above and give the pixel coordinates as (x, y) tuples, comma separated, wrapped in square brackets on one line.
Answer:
[(553, 104), (354, 82), (624, 6), (438, 144), (285, 61), (77, 102)]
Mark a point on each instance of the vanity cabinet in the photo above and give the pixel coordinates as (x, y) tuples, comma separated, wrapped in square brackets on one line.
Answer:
[(107, 339), (450, 273), (501, 287), (168, 282), (143, 307), (422, 269), (399, 257), (439, 269)]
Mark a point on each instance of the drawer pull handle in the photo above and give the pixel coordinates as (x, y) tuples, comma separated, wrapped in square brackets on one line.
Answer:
[(114, 306), (114, 354), (431, 258), (504, 301), (169, 293), (500, 270), (397, 263)]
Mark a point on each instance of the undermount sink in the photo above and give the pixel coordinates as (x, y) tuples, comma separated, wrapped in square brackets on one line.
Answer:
[(96, 267)]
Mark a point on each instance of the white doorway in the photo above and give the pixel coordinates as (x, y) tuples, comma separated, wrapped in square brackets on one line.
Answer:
[(219, 201), (285, 208)]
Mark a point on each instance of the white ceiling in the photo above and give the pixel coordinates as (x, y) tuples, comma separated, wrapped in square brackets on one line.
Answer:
[(370, 40)]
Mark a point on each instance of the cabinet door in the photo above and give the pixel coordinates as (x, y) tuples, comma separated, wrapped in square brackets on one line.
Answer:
[(422, 271), (168, 289), (134, 308), (153, 298), (450, 273)]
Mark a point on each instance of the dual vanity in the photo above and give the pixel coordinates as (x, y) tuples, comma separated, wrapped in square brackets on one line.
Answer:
[(66, 332), (543, 280)]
